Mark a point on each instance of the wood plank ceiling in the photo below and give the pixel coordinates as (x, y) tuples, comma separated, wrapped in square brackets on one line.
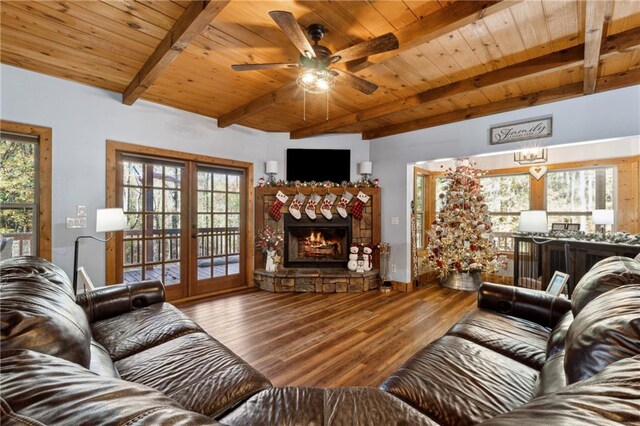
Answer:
[(457, 60)]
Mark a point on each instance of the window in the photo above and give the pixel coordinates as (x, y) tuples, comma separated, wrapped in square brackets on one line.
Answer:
[(18, 194), (506, 196), (571, 195), (25, 190)]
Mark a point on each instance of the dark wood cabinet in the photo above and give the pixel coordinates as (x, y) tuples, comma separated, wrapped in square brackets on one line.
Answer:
[(536, 259)]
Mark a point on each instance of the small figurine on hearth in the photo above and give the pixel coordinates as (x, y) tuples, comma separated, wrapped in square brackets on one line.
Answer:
[(354, 251), (261, 182), (367, 255)]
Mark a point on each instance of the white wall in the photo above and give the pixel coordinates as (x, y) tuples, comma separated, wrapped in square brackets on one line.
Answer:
[(607, 115), (83, 118)]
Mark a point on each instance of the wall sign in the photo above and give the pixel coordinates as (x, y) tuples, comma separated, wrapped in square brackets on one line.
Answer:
[(521, 131)]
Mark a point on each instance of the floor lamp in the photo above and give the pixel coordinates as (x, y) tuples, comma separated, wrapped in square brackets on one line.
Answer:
[(107, 220)]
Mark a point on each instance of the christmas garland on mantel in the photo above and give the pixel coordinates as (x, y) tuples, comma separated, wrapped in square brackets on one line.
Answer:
[(368, 183)]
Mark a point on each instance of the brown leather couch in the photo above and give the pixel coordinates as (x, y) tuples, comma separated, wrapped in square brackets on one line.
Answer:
[(121, 355)]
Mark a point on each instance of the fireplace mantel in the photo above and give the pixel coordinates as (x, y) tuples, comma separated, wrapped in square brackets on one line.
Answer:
[(365, 231)]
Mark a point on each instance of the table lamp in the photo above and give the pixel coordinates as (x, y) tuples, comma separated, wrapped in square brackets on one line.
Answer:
[(603, 218), (533, 221)]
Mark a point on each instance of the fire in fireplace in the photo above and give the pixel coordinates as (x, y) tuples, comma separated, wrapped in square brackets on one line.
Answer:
[(316, 244)]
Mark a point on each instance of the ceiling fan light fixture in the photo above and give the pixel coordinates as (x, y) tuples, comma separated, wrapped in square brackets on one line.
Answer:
[(316, 81)]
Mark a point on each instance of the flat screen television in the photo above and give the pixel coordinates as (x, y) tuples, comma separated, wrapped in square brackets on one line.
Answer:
[(320, 165)]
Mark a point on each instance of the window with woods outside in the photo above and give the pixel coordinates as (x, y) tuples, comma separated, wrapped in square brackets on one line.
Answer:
[(18, 195), (506, 196), (571, 195)]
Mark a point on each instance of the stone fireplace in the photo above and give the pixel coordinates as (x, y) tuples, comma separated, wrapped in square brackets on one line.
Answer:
[(315, 252), (316, 243)]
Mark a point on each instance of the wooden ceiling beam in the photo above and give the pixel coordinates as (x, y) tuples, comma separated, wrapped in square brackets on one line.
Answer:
[(532, 68), (605, 83), (597, 13), (430, 27), (196, 17), (448, 19)]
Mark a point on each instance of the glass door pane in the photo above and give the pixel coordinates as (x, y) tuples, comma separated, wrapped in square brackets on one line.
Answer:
[(217, 228), (152, 192)]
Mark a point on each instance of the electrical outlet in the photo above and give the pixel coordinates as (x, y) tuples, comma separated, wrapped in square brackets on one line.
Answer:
[(81, 222), (81, 210), (395, 220), (393, 268), (72, 223)]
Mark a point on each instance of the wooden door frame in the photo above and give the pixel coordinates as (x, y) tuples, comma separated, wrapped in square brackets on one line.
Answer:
[(44, 135), (113, 148)]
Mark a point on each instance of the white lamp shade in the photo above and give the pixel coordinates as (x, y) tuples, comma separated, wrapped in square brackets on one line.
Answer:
[(533, 221), (108, 220), (271, 166), (366, 167), (602, 217)]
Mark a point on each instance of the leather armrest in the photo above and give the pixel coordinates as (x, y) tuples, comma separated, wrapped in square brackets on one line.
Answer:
[(110, 301), (533, 305)]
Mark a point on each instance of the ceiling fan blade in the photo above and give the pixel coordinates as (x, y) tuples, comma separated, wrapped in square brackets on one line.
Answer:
[(251, 67), (354, 81), (288, 24), (371, 47)]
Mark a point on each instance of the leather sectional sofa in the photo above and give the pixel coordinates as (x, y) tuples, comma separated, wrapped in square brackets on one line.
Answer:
[(121, 355)]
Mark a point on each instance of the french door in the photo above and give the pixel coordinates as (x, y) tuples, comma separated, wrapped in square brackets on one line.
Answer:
[(185, 224)]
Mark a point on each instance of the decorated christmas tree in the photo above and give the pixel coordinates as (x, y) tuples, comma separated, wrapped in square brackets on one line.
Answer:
[(460, 239)]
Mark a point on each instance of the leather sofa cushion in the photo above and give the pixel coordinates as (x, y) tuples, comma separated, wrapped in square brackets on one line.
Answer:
[(605, 275), (525, 341), (42, 389), (127, 334), (38, 311), (315, 406), (197, 371), (456, 381), (558, 335), (552, 377), (611, 397), (17, 269), (101, 362), (605, 331)]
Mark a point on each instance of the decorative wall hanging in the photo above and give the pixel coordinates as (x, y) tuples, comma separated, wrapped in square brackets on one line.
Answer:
[(521, 131)]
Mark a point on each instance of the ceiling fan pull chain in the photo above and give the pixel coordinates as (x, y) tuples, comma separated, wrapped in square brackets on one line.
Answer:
[(304, 105), (327, 99)]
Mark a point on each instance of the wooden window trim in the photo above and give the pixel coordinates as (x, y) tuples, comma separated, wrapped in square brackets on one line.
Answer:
[(113, 148), (44, 135)]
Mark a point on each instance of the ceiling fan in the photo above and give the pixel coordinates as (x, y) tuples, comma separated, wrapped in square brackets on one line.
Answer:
[(315, 59)]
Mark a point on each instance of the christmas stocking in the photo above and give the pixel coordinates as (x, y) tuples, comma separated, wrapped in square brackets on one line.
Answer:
[(342, 204), (310, 208), (296, 205), (327, 203), (358, 205), (274, 210)]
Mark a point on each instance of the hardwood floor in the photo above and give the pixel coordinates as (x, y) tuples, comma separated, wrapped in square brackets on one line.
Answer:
[(341, 339)]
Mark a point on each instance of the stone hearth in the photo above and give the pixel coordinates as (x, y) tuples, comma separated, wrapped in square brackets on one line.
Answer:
[(313, 280)]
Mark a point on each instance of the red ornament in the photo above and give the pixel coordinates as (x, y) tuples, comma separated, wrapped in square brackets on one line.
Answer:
[(457, 265)]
